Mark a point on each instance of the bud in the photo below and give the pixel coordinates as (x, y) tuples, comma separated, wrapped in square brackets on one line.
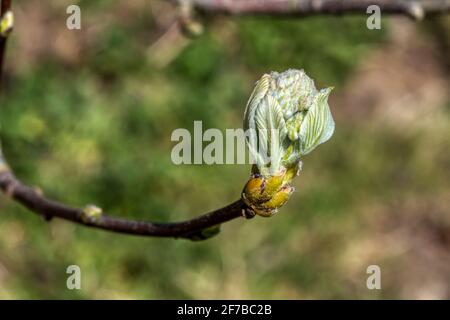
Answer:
[(3, 165), (6, 23), (91, 213), (205, 233), (287, 119)]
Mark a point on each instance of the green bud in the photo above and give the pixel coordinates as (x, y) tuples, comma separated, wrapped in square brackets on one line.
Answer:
[(3, 165), (287, 118), (91, 213), (6, 23), (205, 233)]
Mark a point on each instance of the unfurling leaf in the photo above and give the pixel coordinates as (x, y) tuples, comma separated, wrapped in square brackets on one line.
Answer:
[(286, 118)]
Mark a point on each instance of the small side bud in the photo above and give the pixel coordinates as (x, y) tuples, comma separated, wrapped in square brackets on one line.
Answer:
[(91, 213), (38, 190), (189, 26), (205, 233), (3, 165), (6, 23), (415, 11)]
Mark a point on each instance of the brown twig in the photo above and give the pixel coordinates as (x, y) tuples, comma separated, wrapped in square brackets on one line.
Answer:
[(36, 202), (414, 8)]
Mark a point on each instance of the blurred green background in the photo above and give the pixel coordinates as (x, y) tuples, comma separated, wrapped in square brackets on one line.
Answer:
[(87, 116)]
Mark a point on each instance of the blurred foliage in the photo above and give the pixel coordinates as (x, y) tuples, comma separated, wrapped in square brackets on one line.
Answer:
[(98, 131)]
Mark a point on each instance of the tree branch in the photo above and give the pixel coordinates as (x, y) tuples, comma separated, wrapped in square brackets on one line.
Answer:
[(36, 202), (414, 8)]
